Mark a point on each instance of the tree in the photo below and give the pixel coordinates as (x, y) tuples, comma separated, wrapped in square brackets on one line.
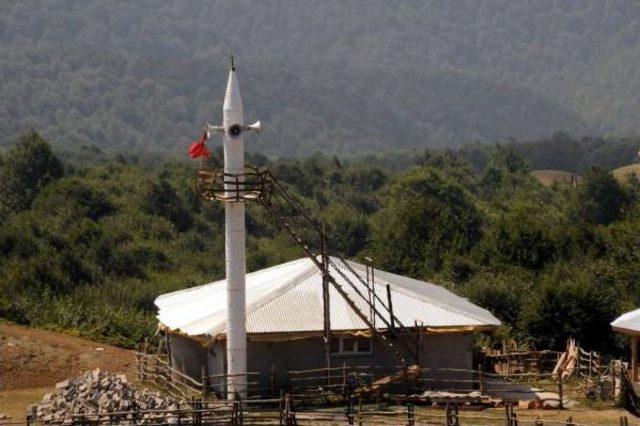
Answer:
[(526, 235), (505, 171), (578, 303), (427, 217), (347, 229), (162, 200), (28, 168), (600, 199)]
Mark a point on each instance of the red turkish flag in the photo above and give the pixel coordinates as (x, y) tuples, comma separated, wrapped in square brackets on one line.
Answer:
[(199, 149)]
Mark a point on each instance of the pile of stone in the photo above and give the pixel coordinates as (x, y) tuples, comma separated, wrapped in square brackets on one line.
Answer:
[(97, 395)]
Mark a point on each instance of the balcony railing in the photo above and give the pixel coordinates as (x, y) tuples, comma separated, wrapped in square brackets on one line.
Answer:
[(252, 185)]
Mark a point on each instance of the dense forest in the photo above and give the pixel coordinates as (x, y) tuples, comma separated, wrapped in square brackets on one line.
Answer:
[(87, 248), (340, 78)]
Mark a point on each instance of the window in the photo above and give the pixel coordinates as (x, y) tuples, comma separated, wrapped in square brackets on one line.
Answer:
[(350, 345), (364, 345), (335, 345)]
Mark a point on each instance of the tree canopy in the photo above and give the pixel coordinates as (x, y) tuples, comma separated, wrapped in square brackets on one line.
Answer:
[(143, 76), (96, 244)]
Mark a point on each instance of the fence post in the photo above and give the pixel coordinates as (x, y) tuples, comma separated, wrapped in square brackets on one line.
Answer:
[(507, 417), (141, 367), (448, 415), (561, 402), (238, 397), (272, 380), (156, 372), (138, 366), (205, 382), (281, 407), (411, 420), (344, 379), (287, 407), (481, 378), (510, 416), (613, 379), (234, 414), (350, 410)]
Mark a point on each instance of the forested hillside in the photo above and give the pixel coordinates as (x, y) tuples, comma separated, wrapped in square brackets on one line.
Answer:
[(89, 248), (361, 76)]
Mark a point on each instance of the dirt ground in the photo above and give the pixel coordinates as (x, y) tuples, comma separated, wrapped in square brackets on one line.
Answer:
[(33, 361)]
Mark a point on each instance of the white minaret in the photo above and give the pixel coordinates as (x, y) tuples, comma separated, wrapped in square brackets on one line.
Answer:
[(233, 128)]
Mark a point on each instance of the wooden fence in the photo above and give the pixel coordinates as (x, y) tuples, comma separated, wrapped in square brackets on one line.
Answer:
[(521, 362), (336, 384), (575, 361), (588, 364), (311, 384), (283, 411)]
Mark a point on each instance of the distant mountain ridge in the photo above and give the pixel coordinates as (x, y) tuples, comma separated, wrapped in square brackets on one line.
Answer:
[(349, 78)]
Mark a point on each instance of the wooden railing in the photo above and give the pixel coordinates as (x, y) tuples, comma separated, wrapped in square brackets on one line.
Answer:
[(588, 364), (157, 370), (154, 369), (284, 411), (521, 362)]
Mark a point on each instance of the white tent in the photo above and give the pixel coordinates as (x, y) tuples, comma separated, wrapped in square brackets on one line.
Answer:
[(628, 323), (288, 299)]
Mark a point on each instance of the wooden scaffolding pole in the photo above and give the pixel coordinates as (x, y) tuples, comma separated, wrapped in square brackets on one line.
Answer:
[(326, 306), (634, 358)]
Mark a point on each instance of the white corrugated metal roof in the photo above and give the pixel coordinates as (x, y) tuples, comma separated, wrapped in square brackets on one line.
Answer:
[(628, 323), (288, 298)]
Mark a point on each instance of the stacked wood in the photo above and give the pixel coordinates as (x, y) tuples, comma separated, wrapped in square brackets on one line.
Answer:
[(567, 361)]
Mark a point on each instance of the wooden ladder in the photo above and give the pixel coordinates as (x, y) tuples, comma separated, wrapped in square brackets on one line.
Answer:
[(329, 268)]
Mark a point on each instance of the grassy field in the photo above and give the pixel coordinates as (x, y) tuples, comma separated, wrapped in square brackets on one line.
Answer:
[(623, 173), (549, 177)]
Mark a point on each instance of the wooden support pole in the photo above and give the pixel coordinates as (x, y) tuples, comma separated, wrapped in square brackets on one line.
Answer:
[(560, 393), (373, 289), (411, 419), (390, 304), (480, 378), (350, 419), (139, 366), (167, 341), (326, 306), (634, 358), (272, 380), (205, 382), (344, 379)]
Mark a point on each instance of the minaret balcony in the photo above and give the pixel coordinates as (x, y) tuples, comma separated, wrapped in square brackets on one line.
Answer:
[(252, 185)]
